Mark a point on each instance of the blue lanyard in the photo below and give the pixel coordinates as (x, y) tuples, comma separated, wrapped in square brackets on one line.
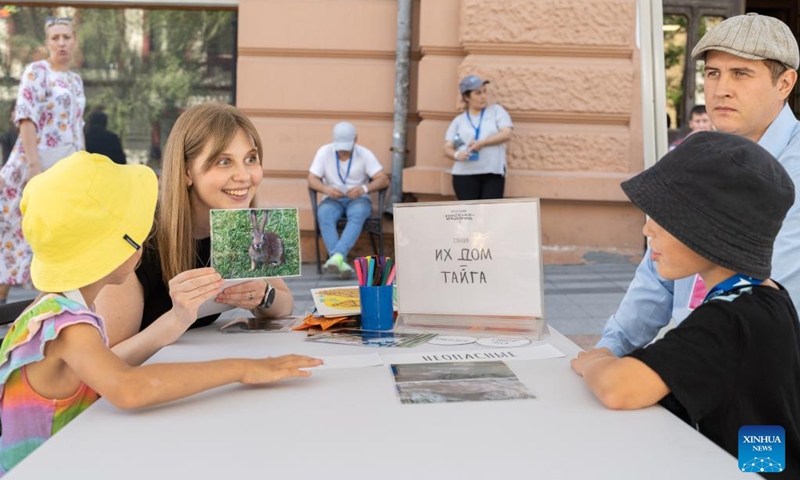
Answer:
[(480, 121), (349, 164), (731, 283)]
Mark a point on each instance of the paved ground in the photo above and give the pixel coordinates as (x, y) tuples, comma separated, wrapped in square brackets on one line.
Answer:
[(578, 299)]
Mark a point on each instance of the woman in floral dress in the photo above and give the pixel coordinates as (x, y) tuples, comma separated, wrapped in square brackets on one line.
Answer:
[(49, 114)]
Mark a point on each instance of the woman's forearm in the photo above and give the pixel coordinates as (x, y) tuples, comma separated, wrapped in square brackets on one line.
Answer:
[(27, 131), (122, 307), (451, 152), (143, 345), (502, 136), (282, 306)]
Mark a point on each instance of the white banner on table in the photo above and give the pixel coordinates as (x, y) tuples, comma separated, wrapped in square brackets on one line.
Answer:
[(349, 361), (538, 352)]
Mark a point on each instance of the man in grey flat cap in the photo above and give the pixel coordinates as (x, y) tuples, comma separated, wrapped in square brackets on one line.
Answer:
[(751, 66)]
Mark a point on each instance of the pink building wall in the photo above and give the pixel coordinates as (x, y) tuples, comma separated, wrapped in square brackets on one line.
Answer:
[(566, 70)]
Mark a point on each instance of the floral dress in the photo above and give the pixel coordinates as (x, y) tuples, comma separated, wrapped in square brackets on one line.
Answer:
[(54, 102)]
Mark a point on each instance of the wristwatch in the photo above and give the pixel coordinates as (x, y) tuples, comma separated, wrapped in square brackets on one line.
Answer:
[(269, 296)]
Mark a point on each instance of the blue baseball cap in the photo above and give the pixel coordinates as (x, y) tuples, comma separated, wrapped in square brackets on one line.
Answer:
[(471, 82)]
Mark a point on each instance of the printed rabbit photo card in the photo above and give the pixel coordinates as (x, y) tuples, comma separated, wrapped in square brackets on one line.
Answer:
[(255, 243)]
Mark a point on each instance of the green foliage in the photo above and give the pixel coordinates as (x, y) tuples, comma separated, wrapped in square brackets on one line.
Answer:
[(232, 234), (141, 66), (674, 58), (26, 44), (175, 67), (674, 49), (28, 27)]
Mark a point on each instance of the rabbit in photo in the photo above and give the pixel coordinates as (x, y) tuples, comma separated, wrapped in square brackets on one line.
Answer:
[(266, 247)]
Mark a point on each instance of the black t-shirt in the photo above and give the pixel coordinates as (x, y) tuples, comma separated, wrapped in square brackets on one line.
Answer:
[(105, 143), (156, 292), (735, 361), (7, 141)]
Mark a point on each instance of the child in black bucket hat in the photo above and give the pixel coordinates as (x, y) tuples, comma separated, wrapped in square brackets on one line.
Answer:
[(715, 205)]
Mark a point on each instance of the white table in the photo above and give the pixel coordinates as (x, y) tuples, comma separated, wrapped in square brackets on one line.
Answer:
[(348, 424)]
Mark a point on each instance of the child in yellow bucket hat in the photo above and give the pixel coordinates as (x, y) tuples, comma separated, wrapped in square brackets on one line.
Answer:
[(86, 219)]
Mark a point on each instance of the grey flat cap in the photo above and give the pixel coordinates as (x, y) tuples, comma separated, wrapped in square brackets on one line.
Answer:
[(752, 36)]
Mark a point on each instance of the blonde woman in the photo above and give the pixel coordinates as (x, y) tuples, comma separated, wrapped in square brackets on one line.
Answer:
[(212, 160), (49, 114)]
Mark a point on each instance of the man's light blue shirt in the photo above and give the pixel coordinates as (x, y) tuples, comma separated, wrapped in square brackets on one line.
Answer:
[(651, 301)]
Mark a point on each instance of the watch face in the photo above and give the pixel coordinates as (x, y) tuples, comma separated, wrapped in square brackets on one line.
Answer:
[(270, 297)]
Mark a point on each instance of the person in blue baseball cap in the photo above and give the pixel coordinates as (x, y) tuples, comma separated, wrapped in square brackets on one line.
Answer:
[(476, 141), (345, 172)]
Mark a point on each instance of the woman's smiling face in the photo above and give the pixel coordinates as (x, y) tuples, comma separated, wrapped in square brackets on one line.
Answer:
[(228, 181)]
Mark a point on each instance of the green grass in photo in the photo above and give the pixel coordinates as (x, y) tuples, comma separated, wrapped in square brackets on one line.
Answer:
[(232, 234)]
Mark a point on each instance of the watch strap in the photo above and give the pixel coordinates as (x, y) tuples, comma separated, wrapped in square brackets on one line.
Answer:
[(269, 296)]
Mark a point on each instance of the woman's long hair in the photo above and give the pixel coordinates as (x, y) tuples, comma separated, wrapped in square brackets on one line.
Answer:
[(197, 126)]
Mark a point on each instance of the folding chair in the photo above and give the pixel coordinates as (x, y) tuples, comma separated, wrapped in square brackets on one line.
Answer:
[(10, 311)]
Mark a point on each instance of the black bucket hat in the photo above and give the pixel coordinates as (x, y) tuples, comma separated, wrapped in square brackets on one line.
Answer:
[(722, 195)]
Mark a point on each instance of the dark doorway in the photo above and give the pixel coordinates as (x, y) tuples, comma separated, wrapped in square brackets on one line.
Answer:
[(785, 11), (685, 22)]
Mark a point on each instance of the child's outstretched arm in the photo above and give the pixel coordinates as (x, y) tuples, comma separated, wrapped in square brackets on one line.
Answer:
[(619, 383), (82, 349)]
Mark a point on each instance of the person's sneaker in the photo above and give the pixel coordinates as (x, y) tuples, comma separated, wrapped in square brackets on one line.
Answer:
[(333, 265), (345, 271)]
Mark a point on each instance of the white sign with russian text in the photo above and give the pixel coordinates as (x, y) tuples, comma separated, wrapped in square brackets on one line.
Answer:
[(475, 258)]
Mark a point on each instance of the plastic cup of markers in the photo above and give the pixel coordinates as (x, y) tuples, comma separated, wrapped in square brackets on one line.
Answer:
[(377, 307)]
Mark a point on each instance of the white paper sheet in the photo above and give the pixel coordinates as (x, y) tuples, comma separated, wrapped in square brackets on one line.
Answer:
[(537, 352), (210, 307)]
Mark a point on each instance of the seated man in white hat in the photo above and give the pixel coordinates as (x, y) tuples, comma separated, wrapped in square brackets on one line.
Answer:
[(345, 173)]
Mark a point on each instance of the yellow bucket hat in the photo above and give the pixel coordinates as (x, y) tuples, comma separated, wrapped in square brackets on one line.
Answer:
[(84, 217)]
